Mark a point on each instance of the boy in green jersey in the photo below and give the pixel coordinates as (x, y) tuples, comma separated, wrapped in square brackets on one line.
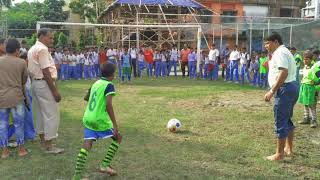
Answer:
[(99, 121), (263, 70)]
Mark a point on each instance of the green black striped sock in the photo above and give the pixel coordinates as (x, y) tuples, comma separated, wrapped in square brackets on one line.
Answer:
[(110, 154), (81, 161)]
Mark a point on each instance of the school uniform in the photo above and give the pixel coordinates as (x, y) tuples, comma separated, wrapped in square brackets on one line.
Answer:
[(164, 66), (141, 64), (234, 65), (244, 59), (192, 60), (174, 55), (157, 58)]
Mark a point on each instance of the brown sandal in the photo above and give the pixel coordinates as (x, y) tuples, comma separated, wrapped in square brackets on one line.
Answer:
[(108, 170)]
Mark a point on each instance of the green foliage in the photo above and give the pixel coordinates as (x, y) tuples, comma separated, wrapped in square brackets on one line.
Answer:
[(89, 9), (85, 8), (22, 17), (62, 40), (56, 38), (81, 43), (32, 40), (5, 3)]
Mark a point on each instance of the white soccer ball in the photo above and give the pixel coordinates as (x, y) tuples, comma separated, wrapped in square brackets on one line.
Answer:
[(174, 125)]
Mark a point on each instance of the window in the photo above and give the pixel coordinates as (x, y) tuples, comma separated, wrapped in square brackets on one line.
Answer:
[(229, 19), (286, 12)]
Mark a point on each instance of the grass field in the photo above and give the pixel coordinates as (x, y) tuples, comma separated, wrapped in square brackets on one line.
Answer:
[(227, 131)]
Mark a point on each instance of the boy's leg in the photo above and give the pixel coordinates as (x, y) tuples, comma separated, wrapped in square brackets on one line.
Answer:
[(306, 115), (4, 124), (288, 149), (242, 74), (18, 114), (82, 158), (313, 111), (105, 165)]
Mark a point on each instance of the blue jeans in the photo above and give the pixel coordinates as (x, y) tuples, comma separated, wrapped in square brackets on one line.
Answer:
[(263, 80), (192, 69), (244, 73), (285, 99), (255, 79), (158, 68), (72, 72), (234, 70), (149, 69), (140, 68), (205, 71), (97, 69), (173, 64), (87, 72), (18, 115), (164, 69), (215, 71)]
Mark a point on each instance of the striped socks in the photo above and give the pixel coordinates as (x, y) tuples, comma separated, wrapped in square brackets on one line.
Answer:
[(81, 161), (110, 154)]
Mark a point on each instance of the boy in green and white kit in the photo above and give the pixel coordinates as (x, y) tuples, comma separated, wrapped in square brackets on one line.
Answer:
[(99, 121)]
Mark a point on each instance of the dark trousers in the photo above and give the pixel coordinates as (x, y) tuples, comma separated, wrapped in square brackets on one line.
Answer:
[(134, 67), (183, 68)]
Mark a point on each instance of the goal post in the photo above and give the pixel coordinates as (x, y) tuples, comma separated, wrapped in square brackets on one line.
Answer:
[(137, 26)]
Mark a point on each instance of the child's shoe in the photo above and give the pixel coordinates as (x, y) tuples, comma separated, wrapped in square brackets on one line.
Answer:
[(314, 124), (304, 121)]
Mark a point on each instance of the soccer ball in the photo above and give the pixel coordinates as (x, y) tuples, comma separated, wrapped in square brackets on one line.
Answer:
[(174, 125)]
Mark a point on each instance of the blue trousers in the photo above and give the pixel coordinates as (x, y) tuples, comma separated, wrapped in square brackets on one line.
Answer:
[(64, 71), (18, 115), (174, 65), (158, 68), (192, 69), (97, 69), (164, 69), (255, 78), (79, 72), (87, 72), (284, 101), (263, 80), (244, 73), (73, 72), (141, 66), (215, 71), (149, 69), (119, 69), (234, 70), (205, 71)]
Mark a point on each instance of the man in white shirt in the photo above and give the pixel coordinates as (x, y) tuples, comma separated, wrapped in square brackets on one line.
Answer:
[(244, 60), (285, 90), (213, 57), (234, 64), (133, 54), (174, 55)]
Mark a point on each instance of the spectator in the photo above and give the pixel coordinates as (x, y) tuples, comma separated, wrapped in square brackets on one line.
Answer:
[(13, 77), (45, 93)]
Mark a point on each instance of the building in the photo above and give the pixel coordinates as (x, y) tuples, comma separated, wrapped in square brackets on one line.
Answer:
[(312, 9), (277, 8)]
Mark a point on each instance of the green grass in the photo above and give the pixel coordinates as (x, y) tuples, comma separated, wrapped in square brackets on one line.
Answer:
[(227, 131)]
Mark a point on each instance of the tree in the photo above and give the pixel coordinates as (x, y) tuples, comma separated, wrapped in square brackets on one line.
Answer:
[(89, 9), (53, 11), (62, 40)]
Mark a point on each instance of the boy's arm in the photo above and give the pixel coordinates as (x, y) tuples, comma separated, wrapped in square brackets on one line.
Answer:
[(110, 111)]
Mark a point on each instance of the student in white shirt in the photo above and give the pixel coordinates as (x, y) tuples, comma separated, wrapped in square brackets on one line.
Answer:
[(141, 64), (213, 57), (133, 54), (244, 60), (285, 90), (234, 64), (174, 55)]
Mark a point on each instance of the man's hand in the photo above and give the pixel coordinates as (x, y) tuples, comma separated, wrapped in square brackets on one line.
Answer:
[(117, 135), (268, 96), (56, 96)]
